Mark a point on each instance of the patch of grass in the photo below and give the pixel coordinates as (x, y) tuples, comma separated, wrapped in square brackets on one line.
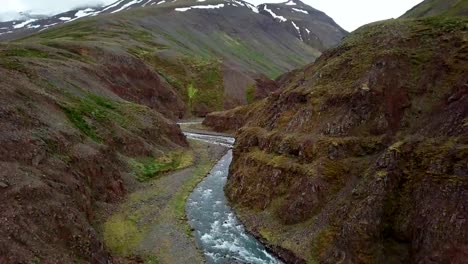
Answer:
[(23, 52), (149, 168), (122, 236), (78, 119), (250, 93), (87, 111)]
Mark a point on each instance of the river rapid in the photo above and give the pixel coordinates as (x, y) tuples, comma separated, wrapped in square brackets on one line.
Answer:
[(217, 230)]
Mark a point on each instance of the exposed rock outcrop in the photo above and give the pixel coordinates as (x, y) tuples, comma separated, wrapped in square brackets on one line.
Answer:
[(362, 157)]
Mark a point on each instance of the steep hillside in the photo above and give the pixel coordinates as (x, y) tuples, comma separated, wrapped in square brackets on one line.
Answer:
[(438, 7), (306, 23), (67, 143), (362, 158)]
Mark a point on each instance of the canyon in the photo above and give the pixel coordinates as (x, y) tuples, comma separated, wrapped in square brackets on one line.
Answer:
[(349, 147)]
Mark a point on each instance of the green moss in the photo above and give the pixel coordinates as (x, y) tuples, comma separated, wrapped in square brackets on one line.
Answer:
[(146, 169)]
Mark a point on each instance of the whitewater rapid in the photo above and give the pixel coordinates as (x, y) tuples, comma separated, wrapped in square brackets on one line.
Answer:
[(218, 232)]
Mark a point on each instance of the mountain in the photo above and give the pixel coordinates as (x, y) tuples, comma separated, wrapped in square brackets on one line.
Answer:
[(308, 24), (231, 35), (315, 27), (88, 103), (17, 28), (438, 7), (361, 157)]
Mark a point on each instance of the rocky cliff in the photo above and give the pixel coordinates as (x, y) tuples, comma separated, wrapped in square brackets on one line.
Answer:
[(362, 156)]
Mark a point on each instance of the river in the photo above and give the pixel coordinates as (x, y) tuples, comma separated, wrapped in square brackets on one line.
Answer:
[(218, 232)]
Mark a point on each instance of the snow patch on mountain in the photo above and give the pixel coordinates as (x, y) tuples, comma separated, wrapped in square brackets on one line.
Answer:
[(275, 16), (21, 25), (129, 4), (298, 30), (300, 10), (184, 9), (112, 5), (248, 5), (84, 13)]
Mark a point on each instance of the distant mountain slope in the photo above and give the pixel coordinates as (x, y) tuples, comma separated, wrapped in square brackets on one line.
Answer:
[(218, 47), (306, 23), (14, 29), (438, 7)]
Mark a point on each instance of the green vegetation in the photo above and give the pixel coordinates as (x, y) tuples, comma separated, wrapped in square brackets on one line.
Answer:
[(122, 235), (250, 93), (250, 55), (191, 92), (85, 112), (23, 52), (438, 8), (148, 168)]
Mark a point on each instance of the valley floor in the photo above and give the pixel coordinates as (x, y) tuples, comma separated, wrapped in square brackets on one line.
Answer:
[(150, 226)]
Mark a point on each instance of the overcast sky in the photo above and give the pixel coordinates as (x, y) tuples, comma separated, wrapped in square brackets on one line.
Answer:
[(350, 14)]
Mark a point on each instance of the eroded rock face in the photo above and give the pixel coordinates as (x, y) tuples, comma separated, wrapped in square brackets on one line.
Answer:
[(362, 158)]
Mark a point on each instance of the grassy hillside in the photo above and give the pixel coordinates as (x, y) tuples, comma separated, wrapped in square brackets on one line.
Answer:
[(438, 7)]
